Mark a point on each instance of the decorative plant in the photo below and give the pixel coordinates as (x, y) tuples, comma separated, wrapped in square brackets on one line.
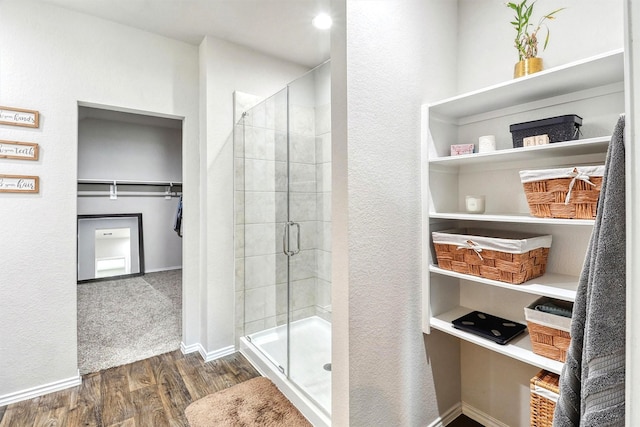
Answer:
[(526, 40)]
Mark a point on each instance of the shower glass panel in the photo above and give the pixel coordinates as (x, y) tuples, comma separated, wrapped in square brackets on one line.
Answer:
[(263, 131), (310, 210), (283, 221)]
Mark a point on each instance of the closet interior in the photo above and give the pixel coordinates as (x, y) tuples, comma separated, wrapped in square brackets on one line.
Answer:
[(129, 165), (129, 237)]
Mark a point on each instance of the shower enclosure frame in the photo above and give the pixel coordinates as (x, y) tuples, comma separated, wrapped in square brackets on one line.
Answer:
[(259, 343)]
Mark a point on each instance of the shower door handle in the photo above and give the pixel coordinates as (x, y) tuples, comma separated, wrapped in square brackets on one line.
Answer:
[(285, 239)]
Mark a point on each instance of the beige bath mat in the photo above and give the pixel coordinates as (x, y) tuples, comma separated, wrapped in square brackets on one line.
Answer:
[(256, 402)]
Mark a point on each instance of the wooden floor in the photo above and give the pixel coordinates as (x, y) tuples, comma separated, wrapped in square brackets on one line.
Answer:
[(464, 421), (151, 393)]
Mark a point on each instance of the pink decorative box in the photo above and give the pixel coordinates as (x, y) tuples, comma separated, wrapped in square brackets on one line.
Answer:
[(459, 149)]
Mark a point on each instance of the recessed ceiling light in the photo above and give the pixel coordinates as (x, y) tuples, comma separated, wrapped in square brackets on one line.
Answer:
[(322, 21)]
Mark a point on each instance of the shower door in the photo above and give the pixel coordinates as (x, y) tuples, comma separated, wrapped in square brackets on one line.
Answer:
[(283, 215)]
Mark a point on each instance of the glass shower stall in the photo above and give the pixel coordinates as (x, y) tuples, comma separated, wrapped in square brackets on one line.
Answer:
[(282, 149)]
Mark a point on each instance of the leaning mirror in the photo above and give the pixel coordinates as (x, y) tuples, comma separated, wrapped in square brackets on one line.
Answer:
[(110, 246)]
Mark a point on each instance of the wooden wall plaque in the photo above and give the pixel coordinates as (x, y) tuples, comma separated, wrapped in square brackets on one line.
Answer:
[(18, 150), (19, 184), (19, 117)]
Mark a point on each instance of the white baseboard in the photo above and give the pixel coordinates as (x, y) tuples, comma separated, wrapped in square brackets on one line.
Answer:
[(207, 356), (30, 393), (155, 270), (448, 417), (186, 349), (479, 416)]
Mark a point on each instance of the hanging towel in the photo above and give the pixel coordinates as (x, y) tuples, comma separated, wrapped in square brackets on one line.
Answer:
[(177, 223), (592, 383)]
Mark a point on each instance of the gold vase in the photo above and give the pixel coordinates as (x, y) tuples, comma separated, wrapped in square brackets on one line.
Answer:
[(527, 66)]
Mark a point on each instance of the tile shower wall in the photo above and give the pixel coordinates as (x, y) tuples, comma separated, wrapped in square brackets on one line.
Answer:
[(323, 210), (261, 212)]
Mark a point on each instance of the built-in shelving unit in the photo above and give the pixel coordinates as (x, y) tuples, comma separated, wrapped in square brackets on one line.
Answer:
[(592, 88)]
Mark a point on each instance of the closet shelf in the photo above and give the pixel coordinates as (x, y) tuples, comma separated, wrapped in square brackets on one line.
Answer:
[(519, 348), (130, 194), (130, 182), (551, 285), (127, 188), (556, 149), (510, 217)]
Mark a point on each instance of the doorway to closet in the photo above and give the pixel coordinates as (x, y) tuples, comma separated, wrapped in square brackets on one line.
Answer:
[(129, 200)]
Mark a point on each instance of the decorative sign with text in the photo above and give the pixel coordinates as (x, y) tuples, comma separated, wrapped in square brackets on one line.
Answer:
[(18, 150), (19, 184), (19, 117)]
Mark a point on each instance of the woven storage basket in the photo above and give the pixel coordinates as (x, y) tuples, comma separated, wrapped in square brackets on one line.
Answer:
[(544, 395), (563, 193), (549, 333), (498, 255)]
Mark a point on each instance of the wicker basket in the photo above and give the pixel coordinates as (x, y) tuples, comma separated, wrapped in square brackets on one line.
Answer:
[(544, 395), (507, 257), (549, 333), (563, 193)]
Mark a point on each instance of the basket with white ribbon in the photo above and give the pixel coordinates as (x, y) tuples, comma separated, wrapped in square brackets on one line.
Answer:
[(570, 193), (505, 256)]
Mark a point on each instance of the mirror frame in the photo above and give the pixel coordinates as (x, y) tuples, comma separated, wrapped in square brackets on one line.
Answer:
[(138, 216)]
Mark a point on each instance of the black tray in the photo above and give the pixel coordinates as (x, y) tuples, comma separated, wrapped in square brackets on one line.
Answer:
[(491, 327)]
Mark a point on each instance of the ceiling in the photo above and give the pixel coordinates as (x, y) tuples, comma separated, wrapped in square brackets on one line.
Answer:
[(280, 28)]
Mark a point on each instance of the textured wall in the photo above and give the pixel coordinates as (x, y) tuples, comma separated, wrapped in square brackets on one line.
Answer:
[(398, 56), (485, 51), (50, 59)]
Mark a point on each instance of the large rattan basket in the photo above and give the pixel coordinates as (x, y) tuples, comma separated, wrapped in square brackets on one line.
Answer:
[(498, 255), (570, 193), (544, 395)]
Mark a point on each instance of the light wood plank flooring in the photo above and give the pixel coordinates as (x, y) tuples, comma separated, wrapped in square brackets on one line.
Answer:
[(150, 393)]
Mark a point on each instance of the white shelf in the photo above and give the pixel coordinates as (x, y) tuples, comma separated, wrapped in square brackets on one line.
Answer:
[(596, 71), (510, 217), (557, 149), (559, 286), (519, 348), (128, 182)]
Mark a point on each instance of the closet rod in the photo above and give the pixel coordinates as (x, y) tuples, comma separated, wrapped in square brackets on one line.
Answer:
[(129, 194), (130, 182)]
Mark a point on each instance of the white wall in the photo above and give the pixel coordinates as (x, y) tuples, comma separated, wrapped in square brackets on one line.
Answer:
[(632, 103), (224, 68), (50, 59), (385, 372), (114, 149), (485, 51)]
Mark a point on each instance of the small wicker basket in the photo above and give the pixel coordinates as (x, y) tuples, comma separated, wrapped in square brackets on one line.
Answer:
[(563, 193), (549, 333), (544, 395), (476, 252)]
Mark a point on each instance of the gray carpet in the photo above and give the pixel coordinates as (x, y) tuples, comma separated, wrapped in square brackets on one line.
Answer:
[(126, 320)]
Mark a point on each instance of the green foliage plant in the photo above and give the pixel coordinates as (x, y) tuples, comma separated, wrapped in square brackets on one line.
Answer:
[(526, 41)]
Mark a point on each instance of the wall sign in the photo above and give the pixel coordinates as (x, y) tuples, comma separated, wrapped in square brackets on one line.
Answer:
[(19, 184), (18, 150), (19, 117)]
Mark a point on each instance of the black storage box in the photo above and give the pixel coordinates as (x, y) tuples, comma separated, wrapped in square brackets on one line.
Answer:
[(561, 128)]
